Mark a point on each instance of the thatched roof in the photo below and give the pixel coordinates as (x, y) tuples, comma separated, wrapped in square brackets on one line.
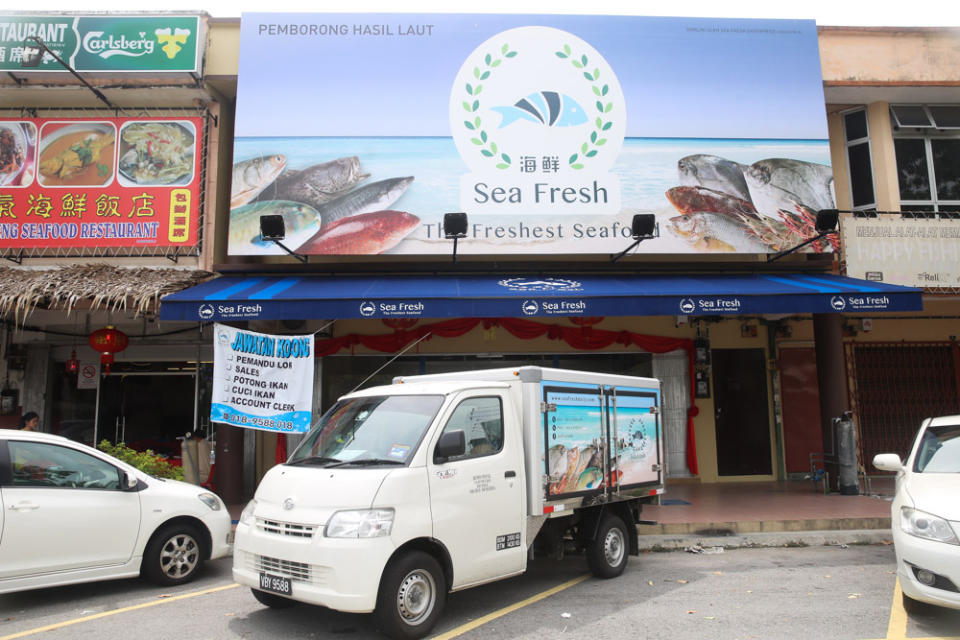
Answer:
[(97, 286)]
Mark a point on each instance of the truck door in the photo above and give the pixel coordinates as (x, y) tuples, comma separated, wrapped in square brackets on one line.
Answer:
[(634, 424), (477, 499)]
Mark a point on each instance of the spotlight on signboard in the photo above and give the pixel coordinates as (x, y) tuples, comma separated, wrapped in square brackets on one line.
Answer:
[(643, 227), (824, 225), (272, 229), (454, 228)]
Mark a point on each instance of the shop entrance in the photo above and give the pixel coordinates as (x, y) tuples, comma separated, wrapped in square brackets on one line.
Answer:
[(147, 410), (740, 406)]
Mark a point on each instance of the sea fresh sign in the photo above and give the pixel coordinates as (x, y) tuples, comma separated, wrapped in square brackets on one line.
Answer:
[(549, 131), (262, 381), (100, 182), (142, 43)]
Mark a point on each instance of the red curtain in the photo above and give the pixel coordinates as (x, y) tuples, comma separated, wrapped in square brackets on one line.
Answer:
[(585, 338)]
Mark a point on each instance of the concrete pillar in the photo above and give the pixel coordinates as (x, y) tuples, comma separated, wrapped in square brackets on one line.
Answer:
[(37, 394), (831, 378)]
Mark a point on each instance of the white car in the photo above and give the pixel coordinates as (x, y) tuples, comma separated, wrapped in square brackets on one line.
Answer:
[(73, 514), (926, 514)]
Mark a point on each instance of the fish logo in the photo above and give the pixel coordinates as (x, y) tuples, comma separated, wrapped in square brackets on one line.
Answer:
[(687, 305), (838, 303), (544, 107), (367, 309), (205, 311), (530, 307)]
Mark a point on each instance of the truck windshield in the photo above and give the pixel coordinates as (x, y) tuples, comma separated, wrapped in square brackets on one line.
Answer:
[(368, 431)]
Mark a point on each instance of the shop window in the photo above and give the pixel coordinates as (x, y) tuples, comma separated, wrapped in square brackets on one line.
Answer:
[(857, 140), (928, 158)]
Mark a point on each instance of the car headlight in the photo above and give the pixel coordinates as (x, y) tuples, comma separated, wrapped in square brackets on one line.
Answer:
[(210, 500), (924, 525), (366, 523), (246, 516)]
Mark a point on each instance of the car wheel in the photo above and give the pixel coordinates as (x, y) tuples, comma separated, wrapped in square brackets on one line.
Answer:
[(272, 600), (607, 553), (174, 555), (412, 594)]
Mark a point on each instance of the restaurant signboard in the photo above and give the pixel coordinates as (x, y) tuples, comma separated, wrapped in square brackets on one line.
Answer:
[(99, 182), (153, 43)]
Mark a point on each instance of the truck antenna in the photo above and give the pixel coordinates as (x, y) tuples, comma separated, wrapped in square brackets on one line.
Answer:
[(408, 347)]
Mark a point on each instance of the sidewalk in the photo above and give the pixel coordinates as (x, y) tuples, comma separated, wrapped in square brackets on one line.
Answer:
[(791, 513)]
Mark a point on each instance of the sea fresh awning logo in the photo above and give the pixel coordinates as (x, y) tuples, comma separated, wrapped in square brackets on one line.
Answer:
[(540, 284), (539, 117)]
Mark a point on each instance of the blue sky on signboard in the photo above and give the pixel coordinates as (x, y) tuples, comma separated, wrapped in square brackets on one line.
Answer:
[(682, 77)]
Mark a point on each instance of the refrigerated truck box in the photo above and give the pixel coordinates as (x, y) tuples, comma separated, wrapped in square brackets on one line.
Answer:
[(436, 483)]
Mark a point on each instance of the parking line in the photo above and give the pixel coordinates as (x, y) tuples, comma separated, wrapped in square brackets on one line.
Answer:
[(112, 612), (502, 612), (897, 627)]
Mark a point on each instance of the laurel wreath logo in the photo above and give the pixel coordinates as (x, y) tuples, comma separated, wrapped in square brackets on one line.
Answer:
[(471, 105), (589, 148)]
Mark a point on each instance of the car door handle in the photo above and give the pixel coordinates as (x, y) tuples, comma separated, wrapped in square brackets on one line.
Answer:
[(510, 474), (24, 506)]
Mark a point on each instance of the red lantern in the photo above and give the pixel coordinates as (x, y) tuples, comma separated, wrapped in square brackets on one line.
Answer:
[(108, 341), (73, 364)]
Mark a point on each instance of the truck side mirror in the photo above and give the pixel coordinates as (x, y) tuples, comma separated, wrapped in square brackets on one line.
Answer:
[(451, 444)]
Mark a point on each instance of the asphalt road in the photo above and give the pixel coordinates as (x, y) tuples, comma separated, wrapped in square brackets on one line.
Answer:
[(813, 592)]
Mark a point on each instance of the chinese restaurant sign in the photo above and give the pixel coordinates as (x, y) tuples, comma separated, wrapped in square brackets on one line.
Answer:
[(153, 43), (551, 132), (106, 182)]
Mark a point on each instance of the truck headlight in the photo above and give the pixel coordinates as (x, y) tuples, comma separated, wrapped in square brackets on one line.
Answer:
[(210, 500), (246, 516), (365, 523), (924, 525)]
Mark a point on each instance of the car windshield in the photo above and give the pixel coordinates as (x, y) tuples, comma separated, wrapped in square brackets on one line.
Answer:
[(368, 431), (939, 450)]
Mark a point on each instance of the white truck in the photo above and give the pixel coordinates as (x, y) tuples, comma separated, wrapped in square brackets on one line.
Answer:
[(436, 483)]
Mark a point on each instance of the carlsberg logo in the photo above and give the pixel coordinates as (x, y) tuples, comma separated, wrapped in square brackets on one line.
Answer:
[(171, 41)]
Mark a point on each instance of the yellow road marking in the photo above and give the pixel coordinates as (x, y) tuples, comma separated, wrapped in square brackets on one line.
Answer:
[(113, 612), (502, 612), (897, 627)]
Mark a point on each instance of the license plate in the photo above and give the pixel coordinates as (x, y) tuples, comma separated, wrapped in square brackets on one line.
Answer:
[(276, 584)]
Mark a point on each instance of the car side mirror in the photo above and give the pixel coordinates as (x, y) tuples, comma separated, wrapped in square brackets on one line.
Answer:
[(887, 462), (129, 481), (451, 444)]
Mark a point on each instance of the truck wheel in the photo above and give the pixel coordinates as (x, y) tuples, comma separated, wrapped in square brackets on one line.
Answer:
[(173, 556), (272, 600), (607, 553), (412, 594)]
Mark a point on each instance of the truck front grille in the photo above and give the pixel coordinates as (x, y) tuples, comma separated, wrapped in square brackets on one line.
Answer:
[(298, 571), (285, 528)]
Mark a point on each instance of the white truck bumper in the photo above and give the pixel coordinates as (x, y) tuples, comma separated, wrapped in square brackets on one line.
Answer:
[(338, 573)]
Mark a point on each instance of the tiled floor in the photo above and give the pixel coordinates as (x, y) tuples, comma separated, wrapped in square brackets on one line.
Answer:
[(748, 501)]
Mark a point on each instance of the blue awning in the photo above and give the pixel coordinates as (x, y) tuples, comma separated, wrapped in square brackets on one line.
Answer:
[(485, 296)]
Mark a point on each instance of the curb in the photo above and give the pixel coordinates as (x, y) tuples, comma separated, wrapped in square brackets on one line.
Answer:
[(716, 544)]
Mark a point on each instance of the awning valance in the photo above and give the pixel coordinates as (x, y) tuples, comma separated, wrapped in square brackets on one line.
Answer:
[(238, 297)]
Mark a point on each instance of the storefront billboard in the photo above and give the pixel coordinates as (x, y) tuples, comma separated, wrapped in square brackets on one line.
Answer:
[(103, 182), (551, 132), (141, 43), (918, 252)]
